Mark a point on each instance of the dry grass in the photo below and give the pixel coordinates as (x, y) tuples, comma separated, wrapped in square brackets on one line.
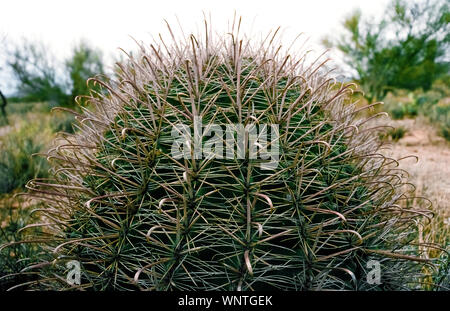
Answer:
[(430, 174)]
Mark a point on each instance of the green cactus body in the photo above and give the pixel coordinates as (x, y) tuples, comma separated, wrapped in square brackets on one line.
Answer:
[(137, 217)]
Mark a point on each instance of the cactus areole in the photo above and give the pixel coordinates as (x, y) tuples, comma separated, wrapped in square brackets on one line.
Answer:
[(223, 163)]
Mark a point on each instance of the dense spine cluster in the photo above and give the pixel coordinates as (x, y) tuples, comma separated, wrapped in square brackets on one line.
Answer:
[(137, 217)]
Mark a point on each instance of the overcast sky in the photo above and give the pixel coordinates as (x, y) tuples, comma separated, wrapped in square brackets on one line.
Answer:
[(109, 24)]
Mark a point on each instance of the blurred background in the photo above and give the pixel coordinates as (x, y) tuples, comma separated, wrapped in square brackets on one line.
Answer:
[(398, 52)]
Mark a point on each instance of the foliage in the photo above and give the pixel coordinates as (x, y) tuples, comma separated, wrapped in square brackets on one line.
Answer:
[(22, 109), (84, 64), (402, 110), (34, 68), (17, 165), (441, 115), (406, 49), (41, 77), (395, 134), (62, 122)]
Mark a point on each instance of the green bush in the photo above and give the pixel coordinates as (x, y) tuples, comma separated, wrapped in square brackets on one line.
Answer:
[(440, 115), (22, 108), (411, 110), (401, 110), (425, 100), (394, 134), (445, 131), (42, 79), (397, 112), (138, 215), (17, 165), (84, 63), (62, 122)]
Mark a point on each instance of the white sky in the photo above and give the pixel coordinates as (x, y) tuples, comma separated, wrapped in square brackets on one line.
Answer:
[(109, 24)]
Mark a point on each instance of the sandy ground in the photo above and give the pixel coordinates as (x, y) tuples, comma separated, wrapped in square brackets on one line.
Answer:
[(431, 173)]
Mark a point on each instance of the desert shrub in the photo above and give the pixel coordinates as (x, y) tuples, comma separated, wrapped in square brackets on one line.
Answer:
[(401, 110), (62, 122), (440, 115), (17, 165), (411, 60), (84, 63), (445, 131), (140, 208), (22, 108), (411, 110), (427, 100), (397, 112), (41, 78), (394, 134)]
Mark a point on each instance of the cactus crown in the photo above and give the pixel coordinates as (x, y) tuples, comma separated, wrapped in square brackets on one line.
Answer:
[(139, 211)]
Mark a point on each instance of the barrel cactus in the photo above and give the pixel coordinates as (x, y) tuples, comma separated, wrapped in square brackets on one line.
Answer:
[(222, 163)]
